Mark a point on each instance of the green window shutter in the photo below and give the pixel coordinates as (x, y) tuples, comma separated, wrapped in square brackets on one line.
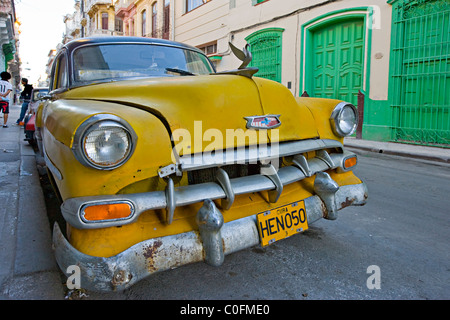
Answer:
[(9, 49), (255, 2), (265, 46)]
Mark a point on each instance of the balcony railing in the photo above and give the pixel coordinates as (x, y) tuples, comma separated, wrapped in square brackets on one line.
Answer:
[(106, 33), (91, 3)]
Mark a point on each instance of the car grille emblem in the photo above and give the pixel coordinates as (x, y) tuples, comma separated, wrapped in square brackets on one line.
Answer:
[(263, 122)]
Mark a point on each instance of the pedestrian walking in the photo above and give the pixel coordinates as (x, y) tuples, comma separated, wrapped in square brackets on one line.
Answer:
[(25, 95), (5, 89)]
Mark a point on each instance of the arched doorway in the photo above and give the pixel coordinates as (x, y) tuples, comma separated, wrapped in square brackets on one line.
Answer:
[(337, 60)]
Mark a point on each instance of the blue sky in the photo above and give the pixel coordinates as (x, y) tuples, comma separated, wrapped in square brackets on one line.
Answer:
[(42, 28)]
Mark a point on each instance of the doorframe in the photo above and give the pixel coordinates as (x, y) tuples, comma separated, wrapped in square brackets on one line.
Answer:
[(308, 28)]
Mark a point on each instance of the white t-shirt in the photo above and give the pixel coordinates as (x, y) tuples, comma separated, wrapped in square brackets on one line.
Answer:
[(4, 87)]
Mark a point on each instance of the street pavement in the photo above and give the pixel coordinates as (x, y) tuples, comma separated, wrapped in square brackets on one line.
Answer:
[(28, 270)]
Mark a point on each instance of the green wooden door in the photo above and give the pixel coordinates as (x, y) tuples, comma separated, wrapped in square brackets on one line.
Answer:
[(337, 60), (420, 72)]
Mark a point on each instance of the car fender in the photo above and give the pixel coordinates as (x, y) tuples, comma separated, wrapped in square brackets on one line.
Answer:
[(60, 121)]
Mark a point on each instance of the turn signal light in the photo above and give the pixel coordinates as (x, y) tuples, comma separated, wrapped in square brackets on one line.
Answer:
[(350, 162), (110, 211)]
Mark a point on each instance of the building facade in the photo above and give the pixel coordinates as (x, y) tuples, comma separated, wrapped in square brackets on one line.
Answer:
[(92, 18), (9, 41), (388, 57), (142, 18)]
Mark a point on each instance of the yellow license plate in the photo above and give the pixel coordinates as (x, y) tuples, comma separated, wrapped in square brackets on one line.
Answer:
[(282, 222)]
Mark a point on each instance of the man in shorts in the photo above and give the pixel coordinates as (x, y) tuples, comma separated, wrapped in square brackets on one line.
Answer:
[(5, 89)]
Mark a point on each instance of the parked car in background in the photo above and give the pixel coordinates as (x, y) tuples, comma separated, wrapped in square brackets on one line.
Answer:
[(161, 161), (29, 121)]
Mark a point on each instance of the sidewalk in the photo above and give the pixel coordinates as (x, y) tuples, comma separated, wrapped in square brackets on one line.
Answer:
[(28, 269), (400, 149)]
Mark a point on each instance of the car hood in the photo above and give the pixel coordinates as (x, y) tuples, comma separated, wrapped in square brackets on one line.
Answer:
[(206, 111)]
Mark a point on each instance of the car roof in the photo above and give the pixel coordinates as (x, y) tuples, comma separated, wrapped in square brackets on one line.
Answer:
[(72, 45)]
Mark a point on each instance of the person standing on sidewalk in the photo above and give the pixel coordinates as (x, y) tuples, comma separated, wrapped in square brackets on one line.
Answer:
[(26, 96), (5, 89)]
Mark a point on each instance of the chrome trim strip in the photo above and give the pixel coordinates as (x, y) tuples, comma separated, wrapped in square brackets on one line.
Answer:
[(253, 154), (56, 173)]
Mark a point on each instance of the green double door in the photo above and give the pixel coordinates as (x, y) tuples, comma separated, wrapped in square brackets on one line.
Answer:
[(337, 56)]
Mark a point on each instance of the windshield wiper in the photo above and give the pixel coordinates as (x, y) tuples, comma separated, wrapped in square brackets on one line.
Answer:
[(180, 71)]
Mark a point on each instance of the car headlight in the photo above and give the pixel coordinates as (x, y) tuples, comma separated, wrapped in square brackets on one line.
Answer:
[(344, 119), (104, 142)]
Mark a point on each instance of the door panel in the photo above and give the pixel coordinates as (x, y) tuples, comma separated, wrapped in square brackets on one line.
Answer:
[(338, 60)]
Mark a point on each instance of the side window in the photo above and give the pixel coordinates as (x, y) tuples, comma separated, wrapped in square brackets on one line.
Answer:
[(192, 4), (60, 79)]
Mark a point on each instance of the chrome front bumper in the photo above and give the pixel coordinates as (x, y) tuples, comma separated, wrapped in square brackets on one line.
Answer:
[(214, 240)]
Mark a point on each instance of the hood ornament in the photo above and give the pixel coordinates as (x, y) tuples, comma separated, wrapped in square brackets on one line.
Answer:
[(246, 57), (269, 121)]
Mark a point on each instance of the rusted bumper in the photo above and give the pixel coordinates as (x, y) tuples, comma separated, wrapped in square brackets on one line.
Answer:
[(214, 240)]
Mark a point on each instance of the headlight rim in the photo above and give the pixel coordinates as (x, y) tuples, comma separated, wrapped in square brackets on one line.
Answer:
[(334, 119), (84, 128)]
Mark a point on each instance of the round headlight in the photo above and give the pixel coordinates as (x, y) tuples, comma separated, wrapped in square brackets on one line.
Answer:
[(344, 119), (107, 144), (104, 142)]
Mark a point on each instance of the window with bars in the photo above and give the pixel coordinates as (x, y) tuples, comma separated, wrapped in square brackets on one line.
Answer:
[(265, 47), (420, 72)]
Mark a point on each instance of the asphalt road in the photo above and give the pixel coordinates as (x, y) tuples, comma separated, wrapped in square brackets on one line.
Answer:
[(395, 247)]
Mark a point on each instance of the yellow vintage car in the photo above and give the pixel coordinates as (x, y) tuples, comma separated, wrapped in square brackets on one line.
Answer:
[(161, 161)]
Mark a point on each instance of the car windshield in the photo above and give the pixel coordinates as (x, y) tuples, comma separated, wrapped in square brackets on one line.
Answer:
[(116, 61)]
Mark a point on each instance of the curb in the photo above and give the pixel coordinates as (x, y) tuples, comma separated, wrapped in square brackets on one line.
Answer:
[(436, 154)]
